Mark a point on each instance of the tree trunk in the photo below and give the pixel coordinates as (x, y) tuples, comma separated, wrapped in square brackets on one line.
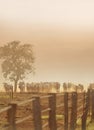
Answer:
[(15, 86)]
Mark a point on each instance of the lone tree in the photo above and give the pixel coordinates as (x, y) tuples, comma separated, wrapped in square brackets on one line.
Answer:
[(16, 61)]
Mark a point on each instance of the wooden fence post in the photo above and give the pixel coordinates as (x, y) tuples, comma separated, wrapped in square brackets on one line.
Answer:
[(65, 111), (11, 116), (52, 112), (92, 104), (73, 111), (85, 111), (37, 114), (88, 100)]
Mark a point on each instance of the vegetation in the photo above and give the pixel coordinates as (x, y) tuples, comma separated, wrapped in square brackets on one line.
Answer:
[(16, 61)]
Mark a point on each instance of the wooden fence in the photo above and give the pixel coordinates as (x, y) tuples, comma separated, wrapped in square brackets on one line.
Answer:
[(71, 107)]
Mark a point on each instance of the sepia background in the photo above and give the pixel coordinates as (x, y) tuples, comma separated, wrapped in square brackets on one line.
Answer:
[(62, 34)]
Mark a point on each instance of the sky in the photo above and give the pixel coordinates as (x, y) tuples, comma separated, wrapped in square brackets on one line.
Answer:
[(62, 32)]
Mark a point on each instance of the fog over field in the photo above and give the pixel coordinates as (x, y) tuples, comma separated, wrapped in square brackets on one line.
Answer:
[(62, 33)]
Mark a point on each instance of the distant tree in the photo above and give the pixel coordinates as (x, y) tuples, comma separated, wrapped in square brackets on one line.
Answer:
[(16, 61), (65, 87)]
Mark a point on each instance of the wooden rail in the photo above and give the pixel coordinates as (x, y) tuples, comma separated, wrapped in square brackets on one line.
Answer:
[(74, 106)]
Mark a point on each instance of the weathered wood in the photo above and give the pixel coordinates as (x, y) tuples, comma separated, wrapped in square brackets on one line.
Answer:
[(46, 110), (45, 125), (23, 119), (80, 108), (47, 96), (73, 111), (37, 114), (92, 104), (66, 111), (60, 105), (52, 112), (11, 116), (25, 102), (89, 102), (5, 109), (85, 111)]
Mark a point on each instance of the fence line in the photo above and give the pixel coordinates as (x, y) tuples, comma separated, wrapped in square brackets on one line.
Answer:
[(74, 106)]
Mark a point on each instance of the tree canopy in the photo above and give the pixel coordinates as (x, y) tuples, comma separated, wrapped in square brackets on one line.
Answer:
[(16, 61)]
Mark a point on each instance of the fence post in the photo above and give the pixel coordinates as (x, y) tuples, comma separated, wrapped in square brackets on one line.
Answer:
[(84, 114), (65, 111), (37, 113), (11, 116), (92, 104), (52, 112), (88, 100), (73, 111), (85, 110)]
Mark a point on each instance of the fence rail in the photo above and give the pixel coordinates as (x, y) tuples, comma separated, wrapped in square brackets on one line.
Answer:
[(74, 106)]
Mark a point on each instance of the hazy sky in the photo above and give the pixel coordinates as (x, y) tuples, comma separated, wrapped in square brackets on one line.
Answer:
[(62, 32)]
